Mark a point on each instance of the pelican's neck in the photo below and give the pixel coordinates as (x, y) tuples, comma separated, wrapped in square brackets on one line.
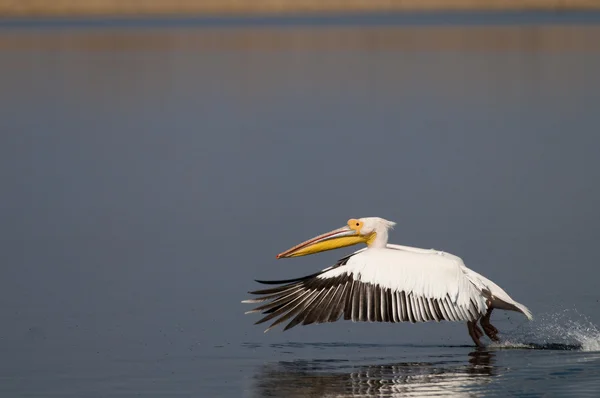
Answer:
[(379, 240)]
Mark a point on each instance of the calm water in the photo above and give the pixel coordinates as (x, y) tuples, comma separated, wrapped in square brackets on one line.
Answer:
[(150, 171)]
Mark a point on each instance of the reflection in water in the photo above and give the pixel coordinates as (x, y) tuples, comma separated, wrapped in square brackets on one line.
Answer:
[(318, 378)]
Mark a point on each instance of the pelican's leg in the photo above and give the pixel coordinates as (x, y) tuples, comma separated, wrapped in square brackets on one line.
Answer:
[(489, 329), (475, 332)]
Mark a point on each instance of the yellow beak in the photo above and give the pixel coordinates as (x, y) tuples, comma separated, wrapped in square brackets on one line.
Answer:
[(335, 239)]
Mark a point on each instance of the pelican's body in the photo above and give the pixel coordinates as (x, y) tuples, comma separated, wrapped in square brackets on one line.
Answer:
[(384, 283)]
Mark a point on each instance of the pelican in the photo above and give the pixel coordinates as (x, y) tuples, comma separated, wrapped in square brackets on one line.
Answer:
[(383, 283)]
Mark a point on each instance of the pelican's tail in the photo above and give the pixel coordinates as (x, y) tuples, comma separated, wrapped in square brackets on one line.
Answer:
[(524, 310), (499, 298)]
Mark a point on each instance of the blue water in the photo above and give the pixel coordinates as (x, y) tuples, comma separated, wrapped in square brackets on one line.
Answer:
[(150, 171)]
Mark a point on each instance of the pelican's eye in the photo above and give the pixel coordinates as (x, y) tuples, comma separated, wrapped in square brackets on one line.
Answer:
[(355, 225)]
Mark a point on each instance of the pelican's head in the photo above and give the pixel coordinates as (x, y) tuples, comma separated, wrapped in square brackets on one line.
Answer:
[(369, 230)]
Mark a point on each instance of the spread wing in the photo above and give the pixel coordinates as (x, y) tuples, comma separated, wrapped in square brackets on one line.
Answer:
[(382, 285)]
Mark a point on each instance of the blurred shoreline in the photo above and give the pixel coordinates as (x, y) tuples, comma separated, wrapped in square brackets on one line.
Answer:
[(91, 8), (474, 39)]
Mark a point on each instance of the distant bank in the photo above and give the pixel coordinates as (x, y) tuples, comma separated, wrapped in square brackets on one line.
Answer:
[(83, 8)]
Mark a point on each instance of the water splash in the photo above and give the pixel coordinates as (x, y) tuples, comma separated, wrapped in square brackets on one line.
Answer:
[(563, 330)]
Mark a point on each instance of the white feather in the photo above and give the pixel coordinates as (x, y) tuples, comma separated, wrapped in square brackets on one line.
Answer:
[(426, 273), (500, 299)]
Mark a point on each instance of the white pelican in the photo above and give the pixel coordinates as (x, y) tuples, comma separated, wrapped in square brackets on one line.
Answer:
[(383, 283)]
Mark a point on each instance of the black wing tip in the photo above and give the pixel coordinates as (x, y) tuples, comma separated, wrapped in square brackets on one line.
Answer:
[(289, 326), (282, 310), (265, 282), (339, 263), (293, 280)]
